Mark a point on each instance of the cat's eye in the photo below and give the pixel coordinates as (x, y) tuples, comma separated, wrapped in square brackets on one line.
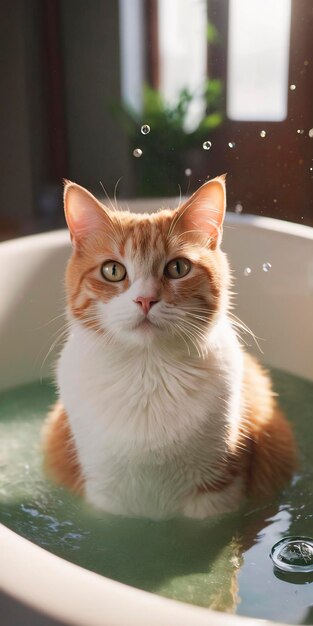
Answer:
[(113, 271), (177, 268)]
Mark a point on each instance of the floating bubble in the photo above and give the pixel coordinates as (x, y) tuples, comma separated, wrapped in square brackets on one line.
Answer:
[(263, 133), (266, 266), (293, 554), (310, 133), (231, 144), (238, 207), (145, 129), (292, 87), (300, 131), (247, 271), (206, 145), (188, 171), (137, 153)]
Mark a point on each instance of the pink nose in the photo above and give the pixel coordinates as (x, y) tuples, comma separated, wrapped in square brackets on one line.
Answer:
[(146, 303)]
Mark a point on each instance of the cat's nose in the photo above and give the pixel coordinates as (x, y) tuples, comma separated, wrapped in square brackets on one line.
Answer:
[(146, 303)]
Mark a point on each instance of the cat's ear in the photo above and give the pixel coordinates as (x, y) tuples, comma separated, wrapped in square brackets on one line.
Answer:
[(83, 212), (204, 212)]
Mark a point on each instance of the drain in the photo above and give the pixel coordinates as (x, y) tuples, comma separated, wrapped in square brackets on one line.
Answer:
[(293, 554)]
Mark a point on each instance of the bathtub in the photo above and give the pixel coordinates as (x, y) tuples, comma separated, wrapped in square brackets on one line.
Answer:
[(277, 305)]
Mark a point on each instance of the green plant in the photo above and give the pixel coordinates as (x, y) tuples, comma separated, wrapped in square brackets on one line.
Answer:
[(161, 168)]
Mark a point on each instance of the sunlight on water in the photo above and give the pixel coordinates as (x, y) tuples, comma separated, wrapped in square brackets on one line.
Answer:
[(221, 563)]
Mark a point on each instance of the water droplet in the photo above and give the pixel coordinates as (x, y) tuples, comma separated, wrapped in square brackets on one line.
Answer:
[(300, 131), (188, 171), (145, 129), (293, 554), (292, 87), (311, 133), (266, 266), (263, 133), (206, 145), (137, 153), (247, 271), (231, 144), (238, 207)]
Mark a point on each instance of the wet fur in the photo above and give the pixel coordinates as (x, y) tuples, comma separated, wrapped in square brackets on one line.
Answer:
[(156, 424)]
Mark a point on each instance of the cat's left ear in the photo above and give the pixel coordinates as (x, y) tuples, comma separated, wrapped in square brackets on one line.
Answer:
[(204, 212)]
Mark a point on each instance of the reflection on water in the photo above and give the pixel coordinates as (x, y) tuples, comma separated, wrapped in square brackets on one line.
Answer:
[(222, 563)]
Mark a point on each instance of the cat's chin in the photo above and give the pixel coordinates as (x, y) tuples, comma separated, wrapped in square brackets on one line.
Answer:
[(143, 333)]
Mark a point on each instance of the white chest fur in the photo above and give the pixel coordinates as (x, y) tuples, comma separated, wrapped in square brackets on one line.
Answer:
[(150, 424)]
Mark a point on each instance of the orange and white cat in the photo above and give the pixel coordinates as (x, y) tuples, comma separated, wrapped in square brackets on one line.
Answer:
[(161, 412)]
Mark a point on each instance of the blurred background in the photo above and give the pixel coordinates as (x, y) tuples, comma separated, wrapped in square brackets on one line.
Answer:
[(149, 98)]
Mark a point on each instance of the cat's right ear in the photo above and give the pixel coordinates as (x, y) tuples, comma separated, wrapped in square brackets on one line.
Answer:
[(84, 214)]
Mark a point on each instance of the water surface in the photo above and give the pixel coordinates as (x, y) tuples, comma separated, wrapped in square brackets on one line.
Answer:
[(221, 563)]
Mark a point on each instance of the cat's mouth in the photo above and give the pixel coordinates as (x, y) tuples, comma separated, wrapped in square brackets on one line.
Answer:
[(145, 324)]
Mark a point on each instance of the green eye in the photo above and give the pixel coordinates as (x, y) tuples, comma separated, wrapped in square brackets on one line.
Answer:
[(113, 271), (177, 268)]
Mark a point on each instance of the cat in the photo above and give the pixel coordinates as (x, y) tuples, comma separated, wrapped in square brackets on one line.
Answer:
[(161, 412)]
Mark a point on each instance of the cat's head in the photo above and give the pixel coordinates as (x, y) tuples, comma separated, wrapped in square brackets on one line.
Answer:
[(152, 277)]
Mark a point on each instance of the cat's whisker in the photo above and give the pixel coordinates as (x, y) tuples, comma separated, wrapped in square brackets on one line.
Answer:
[(175, 330), (108, 197), (62, 335), (115, 191), (198, 317), (100, 334), (180, 195), (115, 211), (192, 335), (200, 333), (53, 319), (240, 325), (197, 332), (58, 333), (191, 339), (194, 325)]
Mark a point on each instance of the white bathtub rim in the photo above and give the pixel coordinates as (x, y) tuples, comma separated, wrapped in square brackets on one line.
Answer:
[(61, 236), (79, 597)]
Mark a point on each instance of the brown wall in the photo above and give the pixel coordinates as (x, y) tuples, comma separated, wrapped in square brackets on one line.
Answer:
[(97, 148)]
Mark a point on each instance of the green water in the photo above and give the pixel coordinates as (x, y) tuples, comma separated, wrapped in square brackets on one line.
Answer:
[(222, 563)]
